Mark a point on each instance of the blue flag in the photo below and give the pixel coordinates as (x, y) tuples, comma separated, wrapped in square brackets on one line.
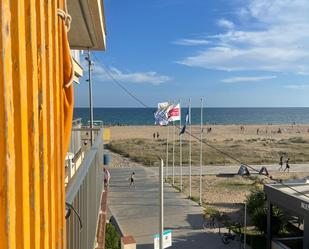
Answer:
[(183, 130)]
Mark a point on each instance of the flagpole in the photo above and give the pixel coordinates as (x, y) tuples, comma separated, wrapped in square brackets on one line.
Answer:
[(201, 153), (190, 156), (180, 148), (167, 140), (173, 169)]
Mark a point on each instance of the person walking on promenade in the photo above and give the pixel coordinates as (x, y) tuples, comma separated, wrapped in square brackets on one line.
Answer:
[(132, 180), (107, 177), (281, 163), (287, 166)]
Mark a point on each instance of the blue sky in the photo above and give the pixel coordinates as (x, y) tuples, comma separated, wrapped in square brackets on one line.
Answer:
[(240, 53)]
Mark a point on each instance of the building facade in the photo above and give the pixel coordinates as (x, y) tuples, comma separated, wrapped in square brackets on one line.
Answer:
[(36, 106)]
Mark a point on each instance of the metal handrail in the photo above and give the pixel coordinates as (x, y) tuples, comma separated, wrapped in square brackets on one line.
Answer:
[(75, 183), (76, 122), (86, 129), (75, 143)]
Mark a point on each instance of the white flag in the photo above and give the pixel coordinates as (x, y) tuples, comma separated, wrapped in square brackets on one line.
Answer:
[(161, 115)]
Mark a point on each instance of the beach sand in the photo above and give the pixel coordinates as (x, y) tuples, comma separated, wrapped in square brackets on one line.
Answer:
[(218, 132), (255, 144)]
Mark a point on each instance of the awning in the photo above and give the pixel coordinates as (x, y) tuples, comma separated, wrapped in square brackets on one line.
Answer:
[(88, 24)]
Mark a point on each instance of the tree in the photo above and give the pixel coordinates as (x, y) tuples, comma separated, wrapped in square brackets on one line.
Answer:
[(256, 206), (112, 238), (255, 200)]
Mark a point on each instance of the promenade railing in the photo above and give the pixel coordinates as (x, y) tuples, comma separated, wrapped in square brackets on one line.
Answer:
[(83, 193)]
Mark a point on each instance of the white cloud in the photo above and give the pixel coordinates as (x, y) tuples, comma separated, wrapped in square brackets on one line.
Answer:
[(226, 24), (271, 39), (297, 87), (137, 77), (248, 79), (191, 42)]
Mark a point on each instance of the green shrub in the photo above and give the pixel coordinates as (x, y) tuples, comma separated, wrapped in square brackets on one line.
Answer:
[(258, 212), (211, 212), (195, 199), (259, 219), (255, 200), (112, 238)]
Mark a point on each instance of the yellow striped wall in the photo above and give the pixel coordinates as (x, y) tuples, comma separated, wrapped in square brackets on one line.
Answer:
[(32, 194)]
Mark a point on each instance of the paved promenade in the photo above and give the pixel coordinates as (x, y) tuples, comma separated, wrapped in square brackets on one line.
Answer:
[(137, 212)]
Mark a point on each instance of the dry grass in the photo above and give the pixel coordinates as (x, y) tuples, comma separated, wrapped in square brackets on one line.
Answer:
[(227, 194), (251, 151)]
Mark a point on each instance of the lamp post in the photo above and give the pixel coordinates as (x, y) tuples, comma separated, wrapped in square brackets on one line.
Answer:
[(90, 63), (201, 154), (161, 190)]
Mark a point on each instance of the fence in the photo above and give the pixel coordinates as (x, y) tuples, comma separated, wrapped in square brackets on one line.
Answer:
[(83, 194)]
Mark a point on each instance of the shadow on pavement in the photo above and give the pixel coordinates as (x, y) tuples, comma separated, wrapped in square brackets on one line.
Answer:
[(197, 240), (195, 220)]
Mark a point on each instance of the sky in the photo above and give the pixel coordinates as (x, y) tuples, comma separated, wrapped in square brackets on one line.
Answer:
[(240, 53)]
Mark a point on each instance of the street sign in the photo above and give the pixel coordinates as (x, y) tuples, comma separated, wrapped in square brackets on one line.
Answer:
[(167, 239)]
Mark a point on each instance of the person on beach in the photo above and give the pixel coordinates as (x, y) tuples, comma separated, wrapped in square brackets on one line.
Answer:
[(132, 180), (154, 135), (280, 163), (107, 177), (257, 131), (287, 166), (158, 135)]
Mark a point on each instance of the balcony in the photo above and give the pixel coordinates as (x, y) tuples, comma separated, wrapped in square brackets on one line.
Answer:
[(85, 198)]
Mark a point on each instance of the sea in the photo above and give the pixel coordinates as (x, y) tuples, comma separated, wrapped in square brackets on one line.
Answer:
[(223, 116)]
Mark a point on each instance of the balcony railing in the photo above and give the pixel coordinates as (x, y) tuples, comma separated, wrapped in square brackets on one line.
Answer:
[(76, 142), (79, 145), (83, 193)]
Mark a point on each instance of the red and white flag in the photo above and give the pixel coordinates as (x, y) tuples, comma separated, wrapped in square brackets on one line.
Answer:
[(174, 113)]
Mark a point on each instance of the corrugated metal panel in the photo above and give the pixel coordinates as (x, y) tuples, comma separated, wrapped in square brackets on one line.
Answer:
[(20, 125), (31, 125), (7, 151)]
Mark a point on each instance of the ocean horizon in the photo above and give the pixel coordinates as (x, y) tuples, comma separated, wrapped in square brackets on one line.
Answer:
[(211, 115)]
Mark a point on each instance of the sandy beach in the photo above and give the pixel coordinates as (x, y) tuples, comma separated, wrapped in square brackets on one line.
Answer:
[(254, 144), (218, 132)]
